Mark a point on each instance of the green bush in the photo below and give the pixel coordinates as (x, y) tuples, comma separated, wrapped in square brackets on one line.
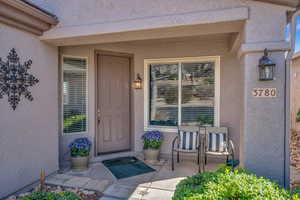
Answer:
[(52, 196), (224, 184)]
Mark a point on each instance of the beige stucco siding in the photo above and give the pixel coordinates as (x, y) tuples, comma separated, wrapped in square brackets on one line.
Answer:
[(29, 135), (231, 89), (84, 22)]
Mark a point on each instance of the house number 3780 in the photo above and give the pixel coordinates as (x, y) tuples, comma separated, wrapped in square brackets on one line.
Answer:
[(264, 92)]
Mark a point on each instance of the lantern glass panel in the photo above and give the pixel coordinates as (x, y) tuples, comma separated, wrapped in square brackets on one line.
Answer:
[(266, 72), (137, 84)]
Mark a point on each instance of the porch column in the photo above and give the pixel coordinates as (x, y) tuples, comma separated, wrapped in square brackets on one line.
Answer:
[(263, 138), (262, 141)]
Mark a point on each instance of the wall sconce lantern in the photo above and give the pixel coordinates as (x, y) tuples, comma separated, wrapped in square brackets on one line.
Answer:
[(266, 68), (138, 82)]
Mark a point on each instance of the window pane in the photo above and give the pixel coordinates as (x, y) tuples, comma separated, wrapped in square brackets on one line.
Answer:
[(74, 95), (197, 93), (164, 94)]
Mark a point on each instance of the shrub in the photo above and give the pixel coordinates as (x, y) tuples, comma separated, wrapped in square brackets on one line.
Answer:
[(296, 191), (224, 184), (51, 196)]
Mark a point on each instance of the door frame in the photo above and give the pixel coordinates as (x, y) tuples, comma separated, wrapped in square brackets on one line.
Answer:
[(131, 99)]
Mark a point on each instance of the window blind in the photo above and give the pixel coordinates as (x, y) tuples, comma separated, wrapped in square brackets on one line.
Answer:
[(74, 95), (198, 91)]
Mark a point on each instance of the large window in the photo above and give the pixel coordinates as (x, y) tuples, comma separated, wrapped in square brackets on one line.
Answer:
[(74, 88), (182, 92)]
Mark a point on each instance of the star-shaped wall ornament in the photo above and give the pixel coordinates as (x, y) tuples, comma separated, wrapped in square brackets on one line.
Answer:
[(15, 79)]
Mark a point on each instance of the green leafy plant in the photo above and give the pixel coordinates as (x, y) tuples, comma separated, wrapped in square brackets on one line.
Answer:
[(209, 80), (225, 184), (51, 196), (71, 123), (205, 119)]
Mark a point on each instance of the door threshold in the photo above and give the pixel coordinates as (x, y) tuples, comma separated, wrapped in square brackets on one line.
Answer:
[(101, 157), (112, 152)]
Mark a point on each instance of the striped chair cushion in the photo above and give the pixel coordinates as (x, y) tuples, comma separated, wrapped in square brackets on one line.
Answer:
[(216, 142), (188, 140)]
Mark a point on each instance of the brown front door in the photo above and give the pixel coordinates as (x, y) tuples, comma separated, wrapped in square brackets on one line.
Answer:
[(113, 103)]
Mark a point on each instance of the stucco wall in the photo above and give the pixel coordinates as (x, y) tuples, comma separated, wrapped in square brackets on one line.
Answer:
[(28, 135), (265, 129), (231, 90), (264, 126), (98, 17), (264, 28)]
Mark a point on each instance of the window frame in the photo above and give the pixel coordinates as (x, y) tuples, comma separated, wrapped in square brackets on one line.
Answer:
[(147, 62), (62, 95)]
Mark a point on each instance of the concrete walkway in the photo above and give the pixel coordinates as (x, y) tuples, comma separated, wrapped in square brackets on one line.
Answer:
[(158, 185)]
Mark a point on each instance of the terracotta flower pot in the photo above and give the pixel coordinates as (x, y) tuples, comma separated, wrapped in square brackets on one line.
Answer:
[(151, 155), (80, 163)]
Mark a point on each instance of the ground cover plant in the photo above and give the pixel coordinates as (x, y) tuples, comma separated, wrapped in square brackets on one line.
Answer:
[(225, 184), (51, 196)]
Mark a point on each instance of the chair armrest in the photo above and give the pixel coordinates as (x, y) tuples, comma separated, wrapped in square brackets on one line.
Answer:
[(174, 141)]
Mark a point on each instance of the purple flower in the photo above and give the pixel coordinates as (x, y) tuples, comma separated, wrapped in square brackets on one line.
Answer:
[(81, 144), (153, 136)]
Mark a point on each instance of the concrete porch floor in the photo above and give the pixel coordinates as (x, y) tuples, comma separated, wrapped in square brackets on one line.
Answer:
[(157, 185)]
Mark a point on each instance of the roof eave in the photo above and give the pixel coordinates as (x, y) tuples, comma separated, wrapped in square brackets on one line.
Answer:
[(26, 16), (288, 3)]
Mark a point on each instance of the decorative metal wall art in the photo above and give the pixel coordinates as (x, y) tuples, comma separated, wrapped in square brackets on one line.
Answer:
[(15, 79)]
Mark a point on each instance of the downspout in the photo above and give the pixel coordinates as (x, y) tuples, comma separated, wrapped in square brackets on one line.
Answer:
[(292, 19), (59, 89)]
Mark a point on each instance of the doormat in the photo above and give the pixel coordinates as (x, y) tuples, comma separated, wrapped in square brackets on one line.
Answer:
[(126, 167)]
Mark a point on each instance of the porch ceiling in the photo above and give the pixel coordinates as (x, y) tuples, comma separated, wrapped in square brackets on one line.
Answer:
[(177, 25), (173, 33)]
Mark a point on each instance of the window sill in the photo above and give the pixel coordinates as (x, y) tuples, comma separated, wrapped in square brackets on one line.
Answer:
[(165, 129), (75, 133)]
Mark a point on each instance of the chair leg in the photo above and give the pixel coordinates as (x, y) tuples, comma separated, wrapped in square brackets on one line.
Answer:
[(172, 160), (203, 162), (205, 159), (198, 161), (232, 156), (177, 157), (227, 159)]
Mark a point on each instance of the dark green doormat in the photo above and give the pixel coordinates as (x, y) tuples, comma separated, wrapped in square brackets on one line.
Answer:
[(126, 166)]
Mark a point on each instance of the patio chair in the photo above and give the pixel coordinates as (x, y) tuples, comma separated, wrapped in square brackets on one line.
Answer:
[(217, 143), (187, 141)]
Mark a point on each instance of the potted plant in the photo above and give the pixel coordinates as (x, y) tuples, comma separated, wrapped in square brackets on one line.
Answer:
[(152, 142), (80, 150)]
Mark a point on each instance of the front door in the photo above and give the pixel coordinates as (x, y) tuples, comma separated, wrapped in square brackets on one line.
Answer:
[(113, 103)]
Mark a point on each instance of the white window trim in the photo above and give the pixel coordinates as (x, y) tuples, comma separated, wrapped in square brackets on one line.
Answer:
[(62, 96), (147, 62)]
